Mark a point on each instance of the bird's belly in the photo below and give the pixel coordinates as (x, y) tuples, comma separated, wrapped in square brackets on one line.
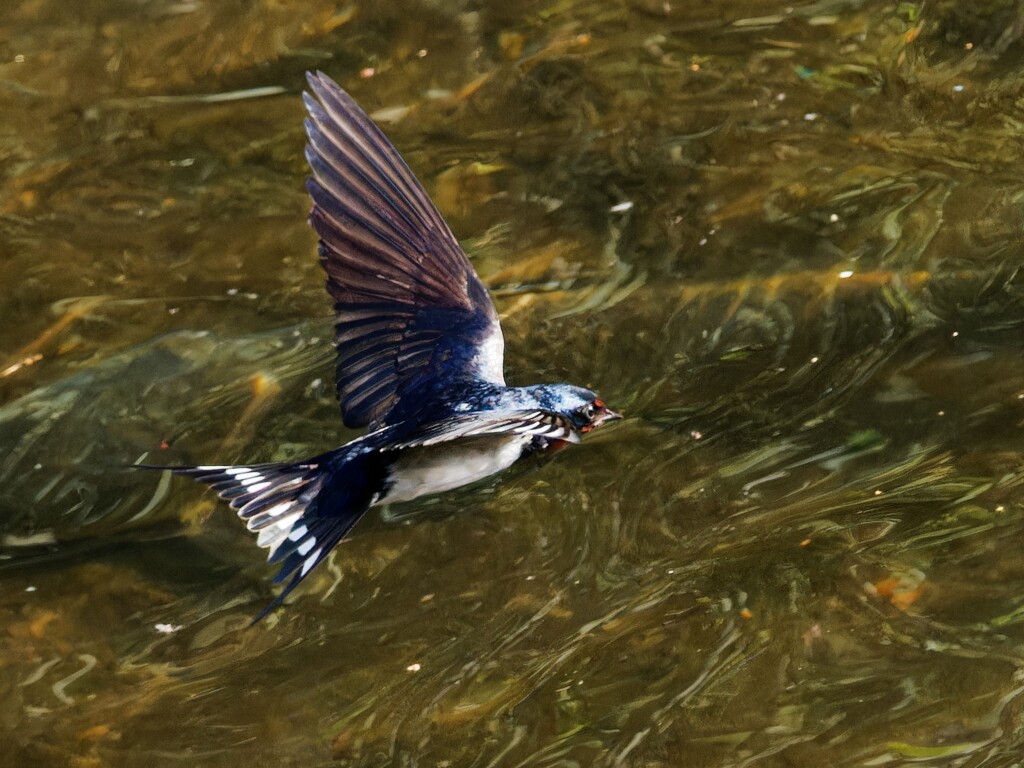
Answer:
[(438, 468)]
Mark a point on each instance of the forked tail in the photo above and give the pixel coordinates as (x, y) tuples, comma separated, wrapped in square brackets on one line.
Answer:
[(299, 510)]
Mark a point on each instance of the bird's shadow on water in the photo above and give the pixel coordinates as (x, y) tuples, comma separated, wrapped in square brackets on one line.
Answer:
[(181, 565)]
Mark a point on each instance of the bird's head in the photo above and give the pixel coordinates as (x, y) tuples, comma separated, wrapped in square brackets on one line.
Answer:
[(583, 408)]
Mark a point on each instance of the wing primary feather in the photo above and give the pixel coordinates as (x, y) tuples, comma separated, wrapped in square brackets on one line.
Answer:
[(411, 314), (367, 219), (350, 244), (349, 157), (347, 114), (338, 118)]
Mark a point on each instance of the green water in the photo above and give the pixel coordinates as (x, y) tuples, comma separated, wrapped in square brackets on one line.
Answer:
[(783, 238)]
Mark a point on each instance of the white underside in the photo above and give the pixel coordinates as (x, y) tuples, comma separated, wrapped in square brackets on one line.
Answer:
[(439, 468), (490, 357)]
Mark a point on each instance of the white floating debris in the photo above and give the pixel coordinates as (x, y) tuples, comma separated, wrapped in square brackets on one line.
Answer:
[(811, 116), (622, 207), (958, 88), (834, 218), (28, 540), (391, 114), (413, 668), (30, 589), (759, 21), (846, 273), (166, 629)]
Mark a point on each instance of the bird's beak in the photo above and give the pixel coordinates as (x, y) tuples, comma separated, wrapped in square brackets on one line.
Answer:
[(607, 415)]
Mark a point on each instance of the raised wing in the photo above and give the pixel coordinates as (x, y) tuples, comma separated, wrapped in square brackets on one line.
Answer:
[(410, 310)]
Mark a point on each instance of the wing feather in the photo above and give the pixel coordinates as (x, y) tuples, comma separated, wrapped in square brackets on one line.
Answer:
[(381, 159), (409, 308), (545, 424)]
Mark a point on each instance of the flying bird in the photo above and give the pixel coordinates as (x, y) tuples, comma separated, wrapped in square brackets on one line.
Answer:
[(419, 357)]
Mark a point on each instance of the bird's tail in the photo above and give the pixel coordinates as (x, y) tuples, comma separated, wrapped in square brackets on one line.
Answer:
[(299, 510)]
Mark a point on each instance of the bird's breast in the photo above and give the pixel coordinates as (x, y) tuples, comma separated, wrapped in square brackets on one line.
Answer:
[(424, 470)]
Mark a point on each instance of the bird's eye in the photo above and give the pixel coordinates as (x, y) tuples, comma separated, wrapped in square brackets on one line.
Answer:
[(588, 411)]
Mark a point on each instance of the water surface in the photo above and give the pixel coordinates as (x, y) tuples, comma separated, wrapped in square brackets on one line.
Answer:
[(784, 238)]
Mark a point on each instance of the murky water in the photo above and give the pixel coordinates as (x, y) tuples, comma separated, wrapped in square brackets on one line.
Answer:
[(783, 237)]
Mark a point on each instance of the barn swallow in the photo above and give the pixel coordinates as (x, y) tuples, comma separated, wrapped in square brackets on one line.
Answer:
[(419, 357)]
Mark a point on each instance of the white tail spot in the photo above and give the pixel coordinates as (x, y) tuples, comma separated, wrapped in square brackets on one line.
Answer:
[(310, 562)]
